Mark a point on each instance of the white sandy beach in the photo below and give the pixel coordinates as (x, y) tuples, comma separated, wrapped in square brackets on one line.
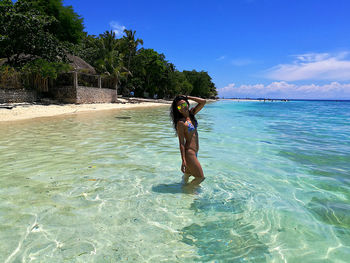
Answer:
[(24, 111), (29, 111)]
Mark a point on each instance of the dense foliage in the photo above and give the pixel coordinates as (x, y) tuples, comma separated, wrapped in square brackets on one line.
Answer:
[(36, 36), (142, 71), (24, 34), (67, 26)]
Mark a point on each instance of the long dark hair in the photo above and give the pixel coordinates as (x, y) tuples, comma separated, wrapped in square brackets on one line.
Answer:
[(175, 115)]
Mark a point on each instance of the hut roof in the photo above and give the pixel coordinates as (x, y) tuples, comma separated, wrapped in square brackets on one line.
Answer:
[(80, 65), (76, 62)]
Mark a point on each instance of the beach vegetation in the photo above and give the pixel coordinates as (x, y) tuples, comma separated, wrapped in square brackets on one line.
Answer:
[(45, 69), (109, 57), (32, 51), (128, 46), (67, 25), (151, 69), (33, 75), (202, 84), (38, 36), (9, 77), (25, 35), (179, 84)]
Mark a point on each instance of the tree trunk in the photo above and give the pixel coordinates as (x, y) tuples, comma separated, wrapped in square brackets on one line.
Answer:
[(127, 76)]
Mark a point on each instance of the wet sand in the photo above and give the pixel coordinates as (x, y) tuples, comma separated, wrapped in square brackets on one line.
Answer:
[(24, 111)]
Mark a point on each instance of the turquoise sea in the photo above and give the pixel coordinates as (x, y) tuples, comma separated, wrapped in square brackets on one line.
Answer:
[(106, 186)]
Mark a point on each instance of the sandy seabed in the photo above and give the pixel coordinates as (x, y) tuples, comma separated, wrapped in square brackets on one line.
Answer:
[(30, 111)]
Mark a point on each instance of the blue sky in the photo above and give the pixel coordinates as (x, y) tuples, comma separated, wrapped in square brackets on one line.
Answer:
[(251, 48)]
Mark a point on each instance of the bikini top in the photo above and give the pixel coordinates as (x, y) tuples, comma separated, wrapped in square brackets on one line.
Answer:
[(191, 127)]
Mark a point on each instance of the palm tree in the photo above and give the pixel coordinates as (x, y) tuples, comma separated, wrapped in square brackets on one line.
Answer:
[(130, 46), (108, 57), (111, 59)]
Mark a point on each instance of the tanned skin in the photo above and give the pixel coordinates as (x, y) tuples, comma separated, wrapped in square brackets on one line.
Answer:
[(188, 141)]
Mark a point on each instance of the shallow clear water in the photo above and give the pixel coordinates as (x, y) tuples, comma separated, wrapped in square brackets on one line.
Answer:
[(106, 187)]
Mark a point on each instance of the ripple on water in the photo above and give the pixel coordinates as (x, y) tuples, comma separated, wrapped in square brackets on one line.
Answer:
[(107, 187)]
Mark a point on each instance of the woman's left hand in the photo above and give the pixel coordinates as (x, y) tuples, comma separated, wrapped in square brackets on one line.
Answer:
[(183, 167)]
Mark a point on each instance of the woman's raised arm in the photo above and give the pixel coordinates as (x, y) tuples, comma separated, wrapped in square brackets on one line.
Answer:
[(201, 102)]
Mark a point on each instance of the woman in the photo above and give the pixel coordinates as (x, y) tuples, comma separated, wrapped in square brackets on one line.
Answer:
[(185, 125)]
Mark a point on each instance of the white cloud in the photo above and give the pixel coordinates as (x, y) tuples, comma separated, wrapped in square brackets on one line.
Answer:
[(313, 66), (117, 28), (312, 57), (241, 61), (282, 89), (221, 58), (227, 90)]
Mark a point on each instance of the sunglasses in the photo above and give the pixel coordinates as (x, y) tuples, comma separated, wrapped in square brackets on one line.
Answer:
[(183, 105)]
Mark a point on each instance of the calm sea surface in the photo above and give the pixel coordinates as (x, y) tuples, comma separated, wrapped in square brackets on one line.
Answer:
[(106, 186)]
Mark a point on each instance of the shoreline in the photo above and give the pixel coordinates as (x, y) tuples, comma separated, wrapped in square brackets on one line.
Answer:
[(263, 100), (11, 112)]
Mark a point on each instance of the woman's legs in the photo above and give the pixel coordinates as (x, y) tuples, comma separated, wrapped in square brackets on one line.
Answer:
[(193, 167)]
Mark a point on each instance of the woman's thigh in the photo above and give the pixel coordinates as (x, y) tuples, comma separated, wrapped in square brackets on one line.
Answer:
[(193, 164)]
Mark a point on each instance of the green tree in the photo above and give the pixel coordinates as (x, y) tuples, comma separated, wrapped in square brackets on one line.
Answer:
[(24, 30), (108, 55), (178, 84), (88, 49), (152, 71), (68, 25), (110, 59), (201, 82), (128, 46), (35, 35)]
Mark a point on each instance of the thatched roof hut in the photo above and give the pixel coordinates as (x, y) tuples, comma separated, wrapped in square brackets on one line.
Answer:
[(80, 65), (77, 63)]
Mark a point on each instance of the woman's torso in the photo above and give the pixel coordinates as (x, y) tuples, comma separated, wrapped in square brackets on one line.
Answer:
[(191, 135)]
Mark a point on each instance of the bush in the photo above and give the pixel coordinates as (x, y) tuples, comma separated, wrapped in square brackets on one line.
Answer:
[(9, 78), (36, 74), (45, 69)]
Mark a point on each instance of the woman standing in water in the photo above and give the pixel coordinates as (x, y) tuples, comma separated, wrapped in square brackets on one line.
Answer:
[(185, 125)]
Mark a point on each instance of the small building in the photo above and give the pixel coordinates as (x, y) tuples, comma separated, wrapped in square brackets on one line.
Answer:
[(81, 85)]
